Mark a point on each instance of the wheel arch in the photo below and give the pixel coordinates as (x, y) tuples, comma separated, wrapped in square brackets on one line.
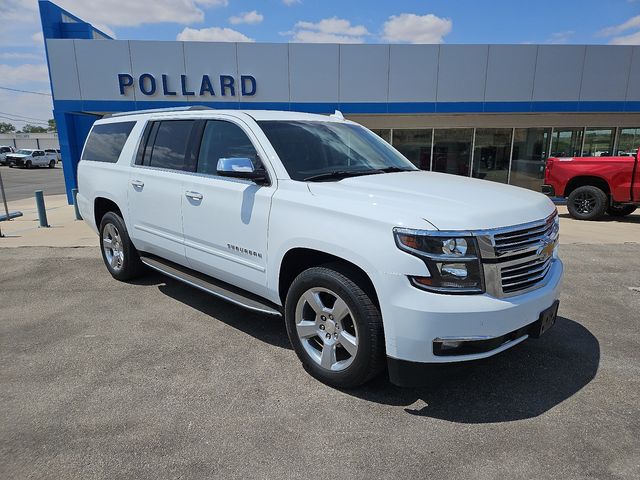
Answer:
[(298, 259), (102, 205), (584, 180)]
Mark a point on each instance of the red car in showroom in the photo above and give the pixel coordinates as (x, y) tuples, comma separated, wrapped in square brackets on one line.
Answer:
[(594, 186)]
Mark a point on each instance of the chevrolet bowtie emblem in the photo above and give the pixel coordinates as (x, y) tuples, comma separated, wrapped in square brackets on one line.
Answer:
[(546, 249)]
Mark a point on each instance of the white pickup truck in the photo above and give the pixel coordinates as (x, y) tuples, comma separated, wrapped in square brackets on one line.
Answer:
[(369, 260), (4, 151), (28, 158)]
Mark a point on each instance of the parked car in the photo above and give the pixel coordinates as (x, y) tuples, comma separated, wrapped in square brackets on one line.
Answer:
[(28, 158), (369, 259), (54, 151), (4, 150), (594, 186)]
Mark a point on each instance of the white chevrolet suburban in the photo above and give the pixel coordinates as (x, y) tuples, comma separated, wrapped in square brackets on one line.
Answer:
[(29, 157), (369, 260)]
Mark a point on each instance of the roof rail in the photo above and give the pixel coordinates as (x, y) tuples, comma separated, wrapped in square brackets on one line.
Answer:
[(159, 110)]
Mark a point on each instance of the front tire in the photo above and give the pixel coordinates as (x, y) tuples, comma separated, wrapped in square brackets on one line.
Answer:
[(621, 210), (335, 327), (120, 256), (28, 164), (587, 203)]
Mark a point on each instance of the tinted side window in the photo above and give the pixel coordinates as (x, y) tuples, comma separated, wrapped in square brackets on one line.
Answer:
[(224, 140), (5, 149), (106, 141), (171, 146)]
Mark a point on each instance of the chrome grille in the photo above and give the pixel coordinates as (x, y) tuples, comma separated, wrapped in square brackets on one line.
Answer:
[(522, 239), (517, 259), (524, 275)]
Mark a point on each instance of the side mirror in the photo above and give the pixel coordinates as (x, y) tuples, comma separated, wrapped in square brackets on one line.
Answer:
[(241, 167)]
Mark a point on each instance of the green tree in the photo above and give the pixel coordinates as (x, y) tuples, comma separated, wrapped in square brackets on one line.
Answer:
[(7, 127), (28, 128), (52, 125)]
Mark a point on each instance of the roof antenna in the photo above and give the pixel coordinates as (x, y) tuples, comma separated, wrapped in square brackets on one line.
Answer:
[(337, 114)]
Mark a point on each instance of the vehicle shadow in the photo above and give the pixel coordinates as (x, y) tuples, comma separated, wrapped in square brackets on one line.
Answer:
[(266, 328), (522, 382), (633, 218)]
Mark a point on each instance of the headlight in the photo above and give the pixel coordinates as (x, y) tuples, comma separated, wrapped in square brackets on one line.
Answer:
[(453, 261)]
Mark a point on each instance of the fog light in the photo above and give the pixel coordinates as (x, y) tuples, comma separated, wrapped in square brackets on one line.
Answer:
[(457, 270), (447, 345)]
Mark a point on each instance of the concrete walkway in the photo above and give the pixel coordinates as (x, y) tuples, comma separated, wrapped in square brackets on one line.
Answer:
[(64, 231)]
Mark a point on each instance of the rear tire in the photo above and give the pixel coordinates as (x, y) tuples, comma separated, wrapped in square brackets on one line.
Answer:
[(120, 256), (621, 210), (587, 203), (335, 327), (52, 164)]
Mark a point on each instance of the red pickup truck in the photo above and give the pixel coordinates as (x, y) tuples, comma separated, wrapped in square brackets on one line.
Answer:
[(595, 185)]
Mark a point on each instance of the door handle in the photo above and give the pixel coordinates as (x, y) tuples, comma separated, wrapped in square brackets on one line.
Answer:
[(137, 183), (193, 195)]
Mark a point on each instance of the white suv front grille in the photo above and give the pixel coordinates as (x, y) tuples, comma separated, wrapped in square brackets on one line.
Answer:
[(518, 259)]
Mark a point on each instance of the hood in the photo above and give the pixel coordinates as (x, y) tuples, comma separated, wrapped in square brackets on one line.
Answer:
[(17, 155), (448, 202)]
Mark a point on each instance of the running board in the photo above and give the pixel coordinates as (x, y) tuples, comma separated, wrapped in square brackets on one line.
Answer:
[(210, 285)]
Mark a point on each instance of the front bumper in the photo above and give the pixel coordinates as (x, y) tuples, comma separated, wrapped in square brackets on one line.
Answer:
[(548, 190), (414, 320)]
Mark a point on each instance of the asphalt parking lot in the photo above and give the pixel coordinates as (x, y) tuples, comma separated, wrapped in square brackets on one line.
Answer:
[(20, 183), (154, 379)]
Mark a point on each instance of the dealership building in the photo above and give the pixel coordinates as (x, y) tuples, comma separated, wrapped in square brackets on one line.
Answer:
[(489, 111)]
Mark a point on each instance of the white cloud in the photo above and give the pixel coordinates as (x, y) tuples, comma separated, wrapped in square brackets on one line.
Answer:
[(412, 28), (560, 37), (125, 13), (630, 39), (33, 106), (20, 56), (633, 22), (212, 34), (251, 18), (38, 38), (328, 30), (289, 3), (16, 76)]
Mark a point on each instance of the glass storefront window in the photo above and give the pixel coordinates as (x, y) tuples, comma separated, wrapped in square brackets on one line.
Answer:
[(383, 133), (452, 150), (529, 156), (628, 141), (566, 142), (491, 154), (415, 144), (598, 142)]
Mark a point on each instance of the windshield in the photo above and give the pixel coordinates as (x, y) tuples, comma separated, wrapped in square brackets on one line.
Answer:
[(24, 152), (309, 150)]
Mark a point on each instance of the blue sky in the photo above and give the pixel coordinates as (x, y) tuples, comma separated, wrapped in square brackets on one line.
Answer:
[(22, 63)]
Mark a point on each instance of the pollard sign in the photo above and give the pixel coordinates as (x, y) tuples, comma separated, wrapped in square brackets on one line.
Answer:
[(167, 85)]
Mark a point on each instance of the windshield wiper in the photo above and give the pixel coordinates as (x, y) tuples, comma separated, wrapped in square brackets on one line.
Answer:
[(397, 169), (339, 174)]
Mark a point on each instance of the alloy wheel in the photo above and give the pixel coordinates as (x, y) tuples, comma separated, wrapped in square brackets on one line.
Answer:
[(585, 203), (112, 246), (326, 329)]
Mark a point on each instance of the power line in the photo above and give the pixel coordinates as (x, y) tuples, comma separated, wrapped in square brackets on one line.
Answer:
[(24, 91), (23, 116), (21, 120)]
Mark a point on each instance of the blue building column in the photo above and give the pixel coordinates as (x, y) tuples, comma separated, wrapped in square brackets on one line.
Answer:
[(73, 129), (72, 124)]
